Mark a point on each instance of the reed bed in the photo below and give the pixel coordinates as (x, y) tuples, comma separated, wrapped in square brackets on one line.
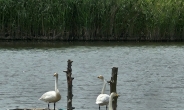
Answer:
[(92, 19)]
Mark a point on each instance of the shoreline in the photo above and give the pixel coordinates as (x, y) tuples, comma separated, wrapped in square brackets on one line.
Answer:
[(64, 39)]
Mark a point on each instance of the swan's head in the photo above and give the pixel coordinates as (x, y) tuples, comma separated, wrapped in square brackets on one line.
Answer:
[(113, 94), (100, 77), (56, 74)]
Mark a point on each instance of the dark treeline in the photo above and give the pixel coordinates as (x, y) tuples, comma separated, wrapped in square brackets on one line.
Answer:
[(92, 20)]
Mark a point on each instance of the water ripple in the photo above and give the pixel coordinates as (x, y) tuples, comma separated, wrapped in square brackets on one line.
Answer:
[(150, 77)]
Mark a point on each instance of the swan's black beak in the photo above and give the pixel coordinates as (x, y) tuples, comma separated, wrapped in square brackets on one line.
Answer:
[(109, 82), (117, 95)]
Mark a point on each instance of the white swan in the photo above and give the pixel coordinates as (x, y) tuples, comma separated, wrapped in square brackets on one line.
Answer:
[(52, 96), (102, 99), (113, 94)]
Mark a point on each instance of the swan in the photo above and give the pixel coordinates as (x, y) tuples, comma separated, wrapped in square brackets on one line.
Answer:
[(52, 96), (113, 94), (102, 99)]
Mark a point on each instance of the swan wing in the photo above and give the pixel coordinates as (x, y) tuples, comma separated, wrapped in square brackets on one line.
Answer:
[(49, 96), (102, 99)]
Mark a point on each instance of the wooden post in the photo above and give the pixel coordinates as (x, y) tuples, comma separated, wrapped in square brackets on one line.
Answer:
[(69, 82), (113, 83)]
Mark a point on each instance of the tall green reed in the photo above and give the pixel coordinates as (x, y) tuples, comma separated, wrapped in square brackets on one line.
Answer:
[(92, 19)]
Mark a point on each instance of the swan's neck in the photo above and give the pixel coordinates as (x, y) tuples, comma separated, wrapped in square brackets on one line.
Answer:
[(110, 102), (104, 85), (56, 84)]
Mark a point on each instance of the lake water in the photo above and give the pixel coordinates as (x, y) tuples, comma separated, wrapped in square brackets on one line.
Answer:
[(150, 75)]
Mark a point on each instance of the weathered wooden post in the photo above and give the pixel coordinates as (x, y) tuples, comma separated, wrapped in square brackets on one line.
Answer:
[(69, 82), (113, 83)]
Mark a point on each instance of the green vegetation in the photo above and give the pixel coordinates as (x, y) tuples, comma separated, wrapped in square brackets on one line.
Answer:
[(92, 19)]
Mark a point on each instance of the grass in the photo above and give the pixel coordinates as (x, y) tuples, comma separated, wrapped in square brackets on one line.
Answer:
[(92, 19)]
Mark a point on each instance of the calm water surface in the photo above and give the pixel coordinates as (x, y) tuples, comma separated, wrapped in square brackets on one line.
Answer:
[(150, 75)]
